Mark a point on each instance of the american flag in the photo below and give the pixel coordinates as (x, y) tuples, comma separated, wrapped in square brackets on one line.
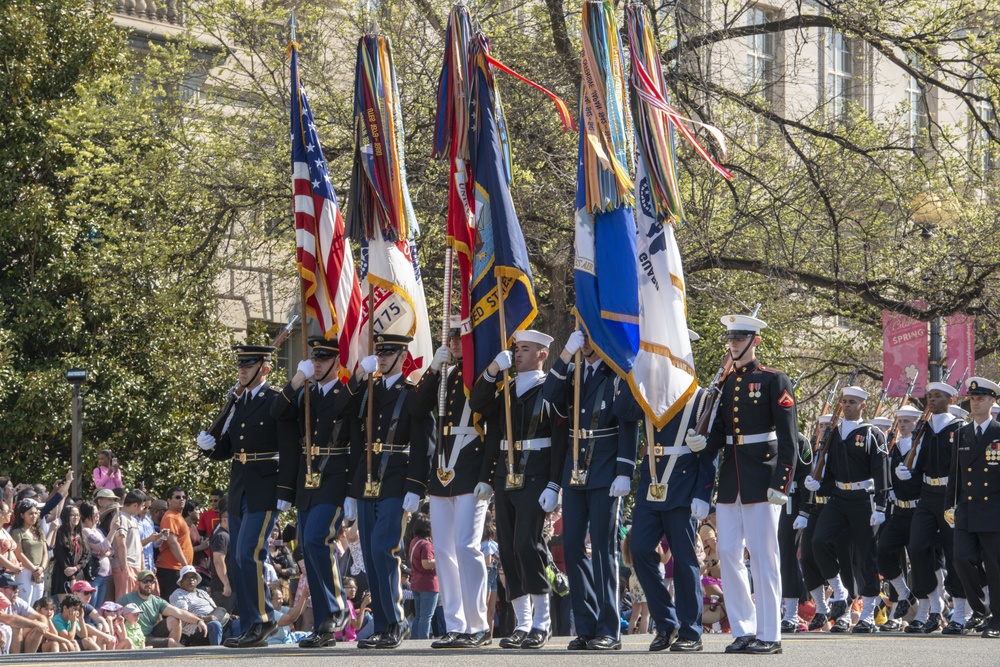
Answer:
[(323, 252)]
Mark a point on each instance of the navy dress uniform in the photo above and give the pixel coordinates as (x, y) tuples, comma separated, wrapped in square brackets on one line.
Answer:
[(606, 451), (320, 500), (263, 452), (400, 440), (973, 488), (755, 429), (457, 515), (539, 443), (791, 576), (673, 483)]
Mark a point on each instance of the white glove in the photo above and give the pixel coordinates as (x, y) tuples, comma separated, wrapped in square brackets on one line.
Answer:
[(776, 497), (411, 502), (548, 500), (504, 360), (575, 342), (206, 441), (621, 486), (695, 442), (350, 509), (699, 509), (903, 472), (800, 522), (811, 483), (441, 357), (369, 364), (892, 496), (878, 518), (483, 491), (306, 368), (284, 505)]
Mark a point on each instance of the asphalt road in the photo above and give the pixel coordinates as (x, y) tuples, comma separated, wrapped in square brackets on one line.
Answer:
[(806, 649)]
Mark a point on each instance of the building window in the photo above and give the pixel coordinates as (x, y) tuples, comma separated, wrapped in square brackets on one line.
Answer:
[(761, 55), (840, 74), (916, 98), (980, 142)]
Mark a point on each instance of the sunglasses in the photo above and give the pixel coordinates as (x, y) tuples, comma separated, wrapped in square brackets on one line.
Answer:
[(147, 581)]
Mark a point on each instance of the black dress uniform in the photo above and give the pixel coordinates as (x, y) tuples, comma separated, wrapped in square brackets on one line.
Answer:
[(607, 449), (895, 534), (320, 508), (791, 576)]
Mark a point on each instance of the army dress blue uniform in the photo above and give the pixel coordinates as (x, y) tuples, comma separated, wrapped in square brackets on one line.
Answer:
[(607, 449)]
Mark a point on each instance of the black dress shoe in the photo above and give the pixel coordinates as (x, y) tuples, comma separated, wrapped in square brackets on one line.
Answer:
[(741, 644), (914, 628), (992, 631), (370, 642), (841, 626), (954, 628), (319, 640), (789, 626), (864, 628), (663, 640), (933, 624), (892, 625), (515, 639), (537, 638), (817, 622), (578, 643), (977, 622), (257, 634), (764, 648), (232, 642), (686, 646), (604, 644), (392, 637), (474, 640), (837, 609), (903, 607), (448, 641)]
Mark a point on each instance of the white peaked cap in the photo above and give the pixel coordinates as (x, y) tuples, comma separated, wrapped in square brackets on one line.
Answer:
[(743, 323)]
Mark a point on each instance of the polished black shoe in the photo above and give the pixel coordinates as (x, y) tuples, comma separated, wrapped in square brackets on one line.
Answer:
[(892, 625), (257, 634), (448, 641), (335, 623), (933, 624), (515, 639), (741, 644), (392, 637), (903, 607), (537, 638), (686, 646), (841, 626), (663, 640), (578, 644), (864, 628), (817, 622), (837, 609), (232, 642), (789, 626), (370, 642), (977, 622), (954, 628), (474, 640), (991, 631), (764, 648), (915, 628), (319, 640), (605, 644)]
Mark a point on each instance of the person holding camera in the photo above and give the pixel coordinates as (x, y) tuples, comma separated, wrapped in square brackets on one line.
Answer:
[(107, 474)]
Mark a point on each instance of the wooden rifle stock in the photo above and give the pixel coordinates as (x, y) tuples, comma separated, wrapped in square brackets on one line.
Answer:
[(714, 394), (819, 465), (918, 435)]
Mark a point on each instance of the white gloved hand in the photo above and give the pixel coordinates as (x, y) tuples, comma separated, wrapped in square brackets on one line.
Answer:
[(695, 442), (811, 483), (350, 509), (878, 518), (575, 342), (441, 357), (548, 500), (504, 360), (776, 497), (699, 509), (369, 364), (284, 505), (206, 441), (483, 491), (892, 496), (800, 522), (411, 502), (621, 486), (903, 472), (306, 368)]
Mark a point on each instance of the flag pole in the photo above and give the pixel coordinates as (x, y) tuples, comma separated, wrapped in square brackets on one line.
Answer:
[(575, 475), (512, 480), (449, 255), (371, 491)]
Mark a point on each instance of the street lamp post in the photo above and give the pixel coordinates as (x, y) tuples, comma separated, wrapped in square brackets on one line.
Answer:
[(77, 377)]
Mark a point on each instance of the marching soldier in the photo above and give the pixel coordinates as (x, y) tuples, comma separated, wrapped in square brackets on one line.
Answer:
[(457, 515), (755, 428), (593, 479), (387, 483), (321, 486), (674, 490), (791, 576), (263, 453), (855, 470), (526, 482), (929, 531), (895, 535), (972, 488)]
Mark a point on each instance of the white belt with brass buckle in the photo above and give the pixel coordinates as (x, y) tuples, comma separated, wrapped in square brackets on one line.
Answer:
[(866, 485), (905, 504), (754, 439), (459, 430), (935, 481), (528, 445), (659, 450), (590, 434)]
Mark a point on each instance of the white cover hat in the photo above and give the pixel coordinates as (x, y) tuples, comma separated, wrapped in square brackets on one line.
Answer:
[(532, 336), (743, 324), (856, 392), (942, 386), (908, 411), (961, 413), (693, 336), (825, 419), (881, 422)]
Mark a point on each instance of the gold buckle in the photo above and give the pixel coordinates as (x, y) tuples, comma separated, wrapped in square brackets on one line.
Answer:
[(514, 481), (656, 492), (373, 488), (445, 476), (314, 450), (377, 447), (657, 450), (242, 457), (446, 429), (585, 434), (578, 477), (737, 439), (312, 480)]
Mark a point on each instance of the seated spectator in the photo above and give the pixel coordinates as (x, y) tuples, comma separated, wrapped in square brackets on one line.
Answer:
[(31, 627), (107, 475), (101, 630), (280, 556), (359, 616), (6, 631), (48, 640), (160, 621), (111, 613), (284, 616), (197, 601), (69, 623), (133, 630)]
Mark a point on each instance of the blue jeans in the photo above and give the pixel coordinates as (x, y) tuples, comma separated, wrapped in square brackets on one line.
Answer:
[(424, 605), (100, 583)]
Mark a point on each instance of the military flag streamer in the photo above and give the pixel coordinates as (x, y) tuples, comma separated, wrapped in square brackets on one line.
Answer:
[(330, 285)]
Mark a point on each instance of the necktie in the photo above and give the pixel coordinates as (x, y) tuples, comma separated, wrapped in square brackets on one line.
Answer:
[(590, 374), (979, 431)]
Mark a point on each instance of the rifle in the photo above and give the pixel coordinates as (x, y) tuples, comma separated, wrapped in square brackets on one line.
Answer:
[(714, 394), (920, 430), (958, 385), (819, 466), (881, 399), (796, 381), (894, 431), (830, 398), (215, 430)]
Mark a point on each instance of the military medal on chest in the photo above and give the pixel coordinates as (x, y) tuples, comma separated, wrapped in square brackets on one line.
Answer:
[(753, 389)]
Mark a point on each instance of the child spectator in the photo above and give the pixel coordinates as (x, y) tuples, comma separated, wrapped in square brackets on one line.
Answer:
[(133, 630), (107, 475)]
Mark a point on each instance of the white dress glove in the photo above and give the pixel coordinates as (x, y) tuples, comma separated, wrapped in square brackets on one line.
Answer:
[(903, 472), (575, 342), (206, 441), (811, 483), (800, 522), (483, 491), (411, 502), (350, 509), (504, 360), (284, 505), (699, 509), (695, 442), (306, 368), (878, 518), (621, 486), (548, 500), (441, 357), (776, 497), (369, 364)]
